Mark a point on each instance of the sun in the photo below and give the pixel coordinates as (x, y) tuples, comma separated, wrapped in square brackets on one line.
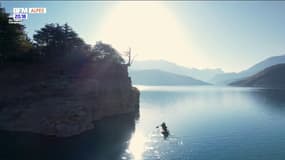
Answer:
[(150, 28)]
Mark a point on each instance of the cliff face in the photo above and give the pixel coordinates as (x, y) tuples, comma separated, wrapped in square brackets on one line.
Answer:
[(64, 99)]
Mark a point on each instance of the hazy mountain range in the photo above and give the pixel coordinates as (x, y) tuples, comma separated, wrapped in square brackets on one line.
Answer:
[(158, 72), (158, 77), (271, 77), (201, 74), (227, 78)]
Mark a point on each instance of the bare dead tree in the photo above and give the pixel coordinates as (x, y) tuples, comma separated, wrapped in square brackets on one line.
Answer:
[(130, 58)]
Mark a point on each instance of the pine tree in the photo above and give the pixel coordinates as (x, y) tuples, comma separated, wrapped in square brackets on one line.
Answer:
[(14, 42), (57, 40)]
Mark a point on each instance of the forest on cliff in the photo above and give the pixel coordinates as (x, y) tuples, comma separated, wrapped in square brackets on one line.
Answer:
[(50, 43)]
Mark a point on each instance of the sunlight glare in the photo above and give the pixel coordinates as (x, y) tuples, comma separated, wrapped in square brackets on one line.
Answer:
[(151, 29), (137, 145)]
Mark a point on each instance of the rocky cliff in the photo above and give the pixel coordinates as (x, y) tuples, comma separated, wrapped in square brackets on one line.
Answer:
[(63, 99)]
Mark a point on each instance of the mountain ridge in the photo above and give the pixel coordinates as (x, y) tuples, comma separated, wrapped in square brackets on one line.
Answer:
[(228, 78), (201, 74), (159, 77), (271, 77)]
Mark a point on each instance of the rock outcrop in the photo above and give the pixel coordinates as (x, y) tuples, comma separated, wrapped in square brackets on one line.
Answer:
[(62, 99)]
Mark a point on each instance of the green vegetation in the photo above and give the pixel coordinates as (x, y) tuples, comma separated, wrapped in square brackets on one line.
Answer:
[(51, 42), (14, 43), (105, 52), (56, 40)]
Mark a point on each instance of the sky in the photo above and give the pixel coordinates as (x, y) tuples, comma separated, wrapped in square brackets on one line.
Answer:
[(231, 35)]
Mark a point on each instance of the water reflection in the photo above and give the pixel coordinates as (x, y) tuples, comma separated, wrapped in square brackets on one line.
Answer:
[(107, 141), (152, 146), (163, 96), (136, 146), (163, 99), (217, 123), (205, 123), (271, 99), (271, 96)]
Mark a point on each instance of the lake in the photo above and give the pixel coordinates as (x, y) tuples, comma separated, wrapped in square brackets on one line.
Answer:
[(205, 123), (217, 123)]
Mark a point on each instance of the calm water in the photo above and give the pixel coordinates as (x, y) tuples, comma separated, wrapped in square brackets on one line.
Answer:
[(206, 123), (211, 123)]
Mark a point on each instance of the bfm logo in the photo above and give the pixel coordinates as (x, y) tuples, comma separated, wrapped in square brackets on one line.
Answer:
[(22, 13)]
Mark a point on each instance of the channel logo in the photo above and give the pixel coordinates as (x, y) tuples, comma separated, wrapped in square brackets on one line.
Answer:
[(30, 10), (20, 14)]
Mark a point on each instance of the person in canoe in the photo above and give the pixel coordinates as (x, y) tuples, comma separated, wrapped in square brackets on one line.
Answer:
[(164, 130)]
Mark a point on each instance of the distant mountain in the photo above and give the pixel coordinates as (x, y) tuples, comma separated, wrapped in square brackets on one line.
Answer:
[(227, 78), (201, 74), (272, 77), (158, 77)]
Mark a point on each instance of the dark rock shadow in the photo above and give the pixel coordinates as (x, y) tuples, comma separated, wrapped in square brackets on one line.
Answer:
[(108, 141)]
